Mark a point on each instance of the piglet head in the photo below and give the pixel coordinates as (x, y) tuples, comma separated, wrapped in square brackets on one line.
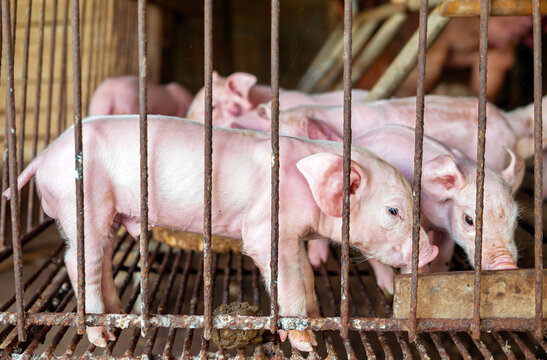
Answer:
[(380, 206), (230, 98), (452, 189)]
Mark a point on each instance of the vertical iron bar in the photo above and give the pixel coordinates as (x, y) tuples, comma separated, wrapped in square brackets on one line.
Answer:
[(418, 160), (143, 69), (24, 84), (274, 235), (483, 50), (37, 97), (5, 174), (208, 168), (12, 154), (99, 47), (61, 121), (91, 53), (344, 274), (78, 161), (538, 168), (49, 101), (51, 73)]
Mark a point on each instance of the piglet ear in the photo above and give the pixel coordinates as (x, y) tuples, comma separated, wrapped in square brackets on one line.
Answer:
[(240, 84), (514, 172), (264, 111), (216, 77), (441, 177), (323, 172), (317, 129)]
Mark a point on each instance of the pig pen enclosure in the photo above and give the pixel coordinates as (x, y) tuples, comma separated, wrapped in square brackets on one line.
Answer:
[(56, 52)]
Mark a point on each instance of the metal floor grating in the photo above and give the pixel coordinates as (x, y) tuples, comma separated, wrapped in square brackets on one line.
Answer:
[(176, 288)]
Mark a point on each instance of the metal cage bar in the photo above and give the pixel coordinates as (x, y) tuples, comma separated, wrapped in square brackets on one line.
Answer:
[(37, 97), (344, 272), (481, 135), (274, 247), (208, 167), (418, 160), (12, 162), (143, 74), (78, 162), (24, 85), (538, 169), (61, 116)]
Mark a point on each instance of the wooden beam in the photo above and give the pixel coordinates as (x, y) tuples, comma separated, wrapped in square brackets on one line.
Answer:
[(504, 294), (470, 8), (413, 5)]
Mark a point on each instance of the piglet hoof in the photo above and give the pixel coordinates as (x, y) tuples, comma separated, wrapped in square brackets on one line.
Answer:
[(302, 340), (99, 336)]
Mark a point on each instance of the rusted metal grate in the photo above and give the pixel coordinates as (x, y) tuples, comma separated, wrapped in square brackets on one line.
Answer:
[(178, 290)]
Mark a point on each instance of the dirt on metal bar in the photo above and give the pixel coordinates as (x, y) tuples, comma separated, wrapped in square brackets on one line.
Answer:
[(538, 168), (483, 58)]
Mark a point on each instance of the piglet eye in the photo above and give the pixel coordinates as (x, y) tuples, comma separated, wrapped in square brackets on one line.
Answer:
[(392, 211), (468, 220)]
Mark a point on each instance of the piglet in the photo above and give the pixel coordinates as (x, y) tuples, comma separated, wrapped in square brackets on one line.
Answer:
[(310, 200), (451, 120), (120, 96), (448, 199), (237, 97)]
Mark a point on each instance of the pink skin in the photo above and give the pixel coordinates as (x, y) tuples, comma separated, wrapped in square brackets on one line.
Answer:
[(452, 121), (311, 172), (237, 97), (522, 121), (444, 207), (120, 96)]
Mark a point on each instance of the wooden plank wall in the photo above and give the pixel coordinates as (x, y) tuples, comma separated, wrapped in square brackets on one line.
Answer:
[(108, 48)]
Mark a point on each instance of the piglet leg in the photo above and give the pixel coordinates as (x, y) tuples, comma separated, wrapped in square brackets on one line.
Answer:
[(446, 250), (318, 252), (97, 227), (291, 282), (384, 276)]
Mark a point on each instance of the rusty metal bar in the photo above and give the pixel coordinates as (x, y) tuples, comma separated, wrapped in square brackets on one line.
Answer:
[(54, 259), (50, 84), (12, 155), (78, 161), (418, 160), (24, 83), (460, 346), (61, 120), (344, 272), (274, 240), (483, 49), (37, 97), (469, 8), (101, 45), (208, 167), (91, 53), (538, 168), (143, 74), (49, 102), (5, 174)]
